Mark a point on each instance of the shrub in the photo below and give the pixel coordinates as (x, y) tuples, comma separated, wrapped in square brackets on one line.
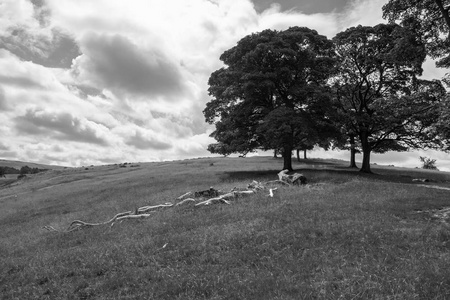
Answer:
[(428, 163)]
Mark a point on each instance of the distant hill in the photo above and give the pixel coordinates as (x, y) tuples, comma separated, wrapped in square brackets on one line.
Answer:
[(19, 164)]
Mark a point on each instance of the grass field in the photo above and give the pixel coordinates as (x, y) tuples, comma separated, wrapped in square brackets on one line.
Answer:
[(344, 235)]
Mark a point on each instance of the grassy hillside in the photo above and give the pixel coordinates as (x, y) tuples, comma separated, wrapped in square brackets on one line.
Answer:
[(19, 164), (344, 235)]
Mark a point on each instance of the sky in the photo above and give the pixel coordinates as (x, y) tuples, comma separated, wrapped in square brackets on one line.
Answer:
[(87, 82)]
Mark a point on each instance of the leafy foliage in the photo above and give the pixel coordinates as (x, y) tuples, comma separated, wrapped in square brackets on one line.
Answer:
[(378, 95), (27, 170), (272, 93), (9, 170), (428, 163), (430, 19)]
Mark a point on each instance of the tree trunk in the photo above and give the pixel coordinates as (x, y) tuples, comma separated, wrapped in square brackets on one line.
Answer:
[(304, 154), (352, 152), (298, 154), (366, 153), (287, 158), (275, 154)]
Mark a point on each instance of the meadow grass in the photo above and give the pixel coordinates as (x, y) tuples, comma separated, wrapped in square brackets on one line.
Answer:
[(345, 235)]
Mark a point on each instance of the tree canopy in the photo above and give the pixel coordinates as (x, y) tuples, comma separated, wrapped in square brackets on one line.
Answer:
[(272, 92), (378, 94), (430, 19)]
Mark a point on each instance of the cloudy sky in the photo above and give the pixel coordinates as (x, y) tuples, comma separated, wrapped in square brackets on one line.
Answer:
[(96, 82)]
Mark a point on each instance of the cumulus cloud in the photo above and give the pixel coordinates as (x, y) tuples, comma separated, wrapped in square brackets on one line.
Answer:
[(3, 147), (324, 23), (26, 31), (362, 12), (62, 126), (8, 154), (23, 82), (3, 105), (116, 63), (16, 13), (139, 141), (128, 77)]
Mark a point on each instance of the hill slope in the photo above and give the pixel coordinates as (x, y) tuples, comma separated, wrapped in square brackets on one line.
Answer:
[(19, 164), (344, 235)]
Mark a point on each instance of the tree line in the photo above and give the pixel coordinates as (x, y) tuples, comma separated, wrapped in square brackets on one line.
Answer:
[(360, 91), (23, 170)]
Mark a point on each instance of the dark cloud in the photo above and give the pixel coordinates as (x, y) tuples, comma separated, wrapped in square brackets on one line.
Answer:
[(119, 64), (42, 12), (59, 126), (8, 154), (143, 143), (3, 147), (3, 105), (46, 46), (54, 51), (85, 90)]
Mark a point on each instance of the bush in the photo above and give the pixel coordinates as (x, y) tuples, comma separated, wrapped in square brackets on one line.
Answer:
[(428, 163)]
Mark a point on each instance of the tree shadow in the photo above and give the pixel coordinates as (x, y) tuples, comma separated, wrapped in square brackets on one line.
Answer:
[(258, 175), (323, 172)]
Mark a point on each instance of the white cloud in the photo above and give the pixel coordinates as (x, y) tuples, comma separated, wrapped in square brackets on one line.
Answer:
[(362, 12), (137, 83), (16, 13)]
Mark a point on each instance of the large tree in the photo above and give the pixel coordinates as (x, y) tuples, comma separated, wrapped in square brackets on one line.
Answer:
[(378, 94), (430, 19), (271, 91)]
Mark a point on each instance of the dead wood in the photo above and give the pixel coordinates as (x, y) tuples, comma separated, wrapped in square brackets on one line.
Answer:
[(213, 200), (212, 196), (187, 200), (207, 193), (271, 192), (291, 179), (148, 208), (182, 197)]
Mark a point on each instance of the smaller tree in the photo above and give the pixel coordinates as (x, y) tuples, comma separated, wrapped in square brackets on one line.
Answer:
[(428, 163), (2, 172), (378, 95), (25, 170)]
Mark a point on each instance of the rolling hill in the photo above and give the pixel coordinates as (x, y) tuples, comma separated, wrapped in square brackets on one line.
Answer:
[(343, 235)]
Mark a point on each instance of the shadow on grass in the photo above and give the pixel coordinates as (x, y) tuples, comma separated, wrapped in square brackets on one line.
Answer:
[(319, 172), (259, 175)]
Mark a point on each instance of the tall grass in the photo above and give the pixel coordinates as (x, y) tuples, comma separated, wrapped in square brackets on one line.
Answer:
[(343, 236)]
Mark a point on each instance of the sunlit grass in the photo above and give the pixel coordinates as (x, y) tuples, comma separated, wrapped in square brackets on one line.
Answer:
[(344, 235)]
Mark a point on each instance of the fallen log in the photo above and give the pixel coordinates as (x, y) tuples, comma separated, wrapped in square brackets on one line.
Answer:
[(291, 179), (148, 208), (140, 216), (212, 195), (211, 192), (182, 197), (212, 200), (188, 200)]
